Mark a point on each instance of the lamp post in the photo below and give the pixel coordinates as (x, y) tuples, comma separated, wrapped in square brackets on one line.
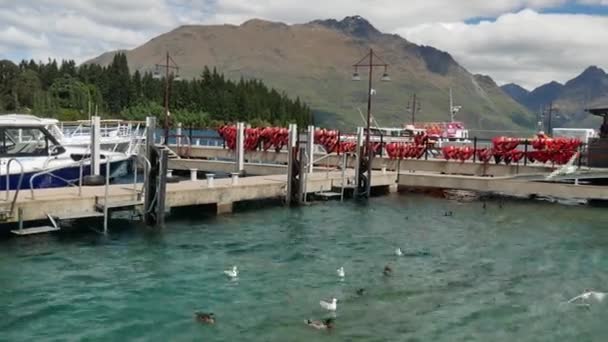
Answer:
[(550, 112), (169, 66), (365, 153)]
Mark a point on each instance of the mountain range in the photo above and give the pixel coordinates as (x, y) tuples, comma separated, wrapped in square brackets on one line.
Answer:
[(569, 100), (315, 62)]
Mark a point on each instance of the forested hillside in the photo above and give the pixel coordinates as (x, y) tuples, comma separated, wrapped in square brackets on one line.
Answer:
[(68, 92)]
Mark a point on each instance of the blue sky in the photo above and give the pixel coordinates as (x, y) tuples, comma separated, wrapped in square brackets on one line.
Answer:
[(529, 42)]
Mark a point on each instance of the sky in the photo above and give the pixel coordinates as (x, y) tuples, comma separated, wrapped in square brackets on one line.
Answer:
[(529, 42)]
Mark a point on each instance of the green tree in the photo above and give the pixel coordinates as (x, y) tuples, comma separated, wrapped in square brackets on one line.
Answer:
[(27, 85)]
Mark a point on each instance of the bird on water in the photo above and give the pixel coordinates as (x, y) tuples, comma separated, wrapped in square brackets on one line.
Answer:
[(205, 318), (329, 306), (232, 273)]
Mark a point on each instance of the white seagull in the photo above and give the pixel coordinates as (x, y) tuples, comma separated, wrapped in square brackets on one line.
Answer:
[(329, 306), (340, 272), (398, 252), (587, 295), (233, 273)]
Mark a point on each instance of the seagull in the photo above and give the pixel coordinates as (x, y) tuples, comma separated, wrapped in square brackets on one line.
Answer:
[(233, 273), (589, 294), (340, 272), (329, 306), (398, 252)]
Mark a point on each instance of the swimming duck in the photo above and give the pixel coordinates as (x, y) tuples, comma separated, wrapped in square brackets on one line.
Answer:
[(324, 324), (205, 318)]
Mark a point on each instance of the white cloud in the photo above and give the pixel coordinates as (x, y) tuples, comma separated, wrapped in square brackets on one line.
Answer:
[(12, 37), (526, 47), (521, 45)]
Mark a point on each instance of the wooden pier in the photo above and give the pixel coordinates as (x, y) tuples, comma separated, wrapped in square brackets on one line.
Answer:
[(66, 203)]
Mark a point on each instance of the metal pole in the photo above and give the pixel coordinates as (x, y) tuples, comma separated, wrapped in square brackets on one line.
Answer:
[(343, 177), (135, 176), (105, 200), (179, 134), (95, 145), (414, 110), (358, 161), (167, 100), (310, 144), (366, 148), (240, 148)]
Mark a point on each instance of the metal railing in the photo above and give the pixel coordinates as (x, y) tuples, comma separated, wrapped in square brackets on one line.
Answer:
[(8, 176)]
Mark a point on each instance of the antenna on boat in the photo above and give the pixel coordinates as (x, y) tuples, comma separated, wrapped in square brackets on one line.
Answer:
[(363, 117)]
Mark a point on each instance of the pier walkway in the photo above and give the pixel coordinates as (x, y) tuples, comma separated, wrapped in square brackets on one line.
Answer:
[(63, 203), (509, 186)]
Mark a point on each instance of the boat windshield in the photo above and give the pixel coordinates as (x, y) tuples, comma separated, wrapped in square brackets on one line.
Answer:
[(25, 141)]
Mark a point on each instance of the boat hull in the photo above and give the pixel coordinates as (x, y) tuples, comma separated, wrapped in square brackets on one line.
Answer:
[(61, 177)]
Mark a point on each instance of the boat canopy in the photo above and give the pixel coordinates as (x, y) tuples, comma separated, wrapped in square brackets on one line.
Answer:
[(25, 120)]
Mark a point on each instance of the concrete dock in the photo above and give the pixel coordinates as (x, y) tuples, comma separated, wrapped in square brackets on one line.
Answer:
[(67, 203)]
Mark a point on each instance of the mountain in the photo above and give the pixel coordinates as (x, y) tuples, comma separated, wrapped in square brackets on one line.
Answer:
[(570, 99), (314, 61), (517, 92)]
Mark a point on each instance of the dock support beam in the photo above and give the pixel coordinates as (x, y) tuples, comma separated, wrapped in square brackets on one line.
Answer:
[(163, 160), (150, 181), (240, 148), (293, 166), (360, 166), (224, 208)]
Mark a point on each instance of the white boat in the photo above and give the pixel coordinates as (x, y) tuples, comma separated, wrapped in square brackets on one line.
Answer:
[(46, 162), (116, 135)]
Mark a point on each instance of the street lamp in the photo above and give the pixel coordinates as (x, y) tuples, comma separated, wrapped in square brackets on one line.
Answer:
[(365, 153), (171, 73)]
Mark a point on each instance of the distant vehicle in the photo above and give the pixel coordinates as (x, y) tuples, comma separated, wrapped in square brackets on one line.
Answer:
[(583, 134)]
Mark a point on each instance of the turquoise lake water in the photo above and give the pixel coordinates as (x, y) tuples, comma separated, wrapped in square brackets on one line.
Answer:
[(499, 274)]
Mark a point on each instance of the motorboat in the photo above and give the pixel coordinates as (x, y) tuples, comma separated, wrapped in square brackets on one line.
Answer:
[(115, 135), (27, 141)]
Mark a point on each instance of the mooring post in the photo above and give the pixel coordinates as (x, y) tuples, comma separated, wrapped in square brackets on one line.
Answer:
[(358, 157), (179, 134), (240, 148), (95, 145), (161, 187), (292, 164), (150, 180), (474, 149), (526, 152), (310, 148)]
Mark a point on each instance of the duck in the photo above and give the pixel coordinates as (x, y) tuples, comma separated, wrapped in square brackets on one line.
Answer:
[(388, 271), (398, 252), (204, 317), (233, 273), (340, 272), (361, 292), (320, 325), (329, 306)]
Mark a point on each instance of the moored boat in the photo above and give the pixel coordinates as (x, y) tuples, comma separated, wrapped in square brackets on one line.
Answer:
[(26, 141)]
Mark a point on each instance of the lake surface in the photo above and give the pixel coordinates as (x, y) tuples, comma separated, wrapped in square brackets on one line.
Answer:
[(499, 274)]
